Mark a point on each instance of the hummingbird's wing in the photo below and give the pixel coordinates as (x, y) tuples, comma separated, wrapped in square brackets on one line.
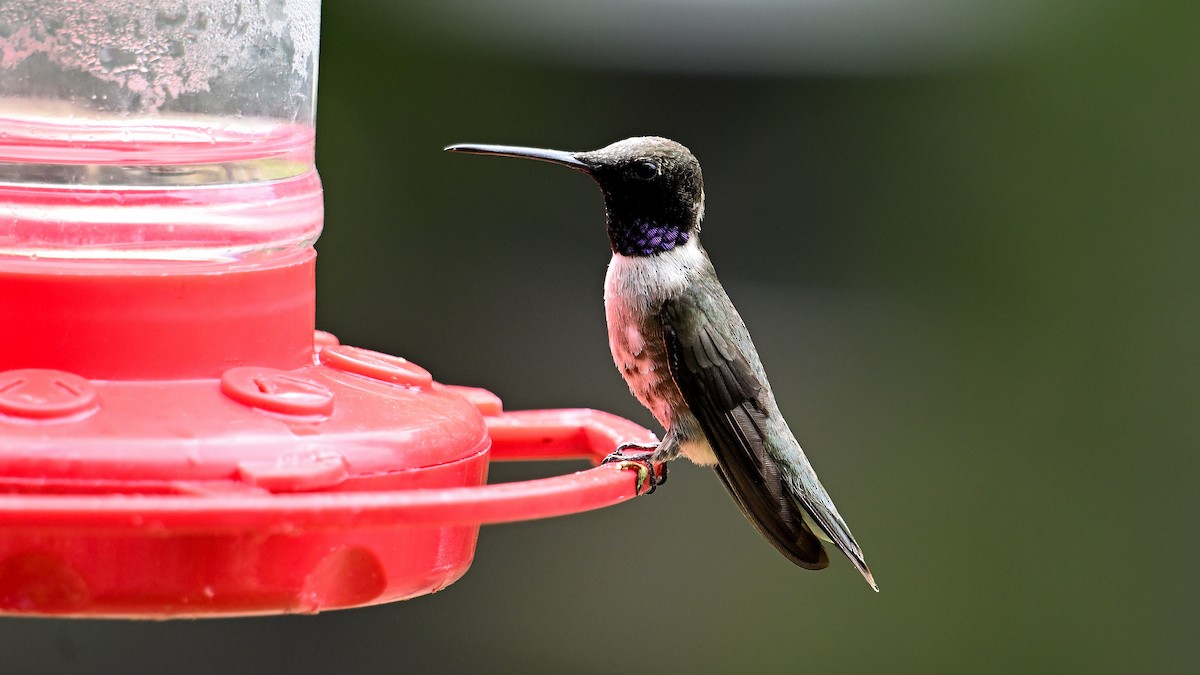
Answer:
[(725, 396)]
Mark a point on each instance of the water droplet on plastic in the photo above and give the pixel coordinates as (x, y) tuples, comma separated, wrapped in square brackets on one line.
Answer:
[(170, 18), (112, 58)]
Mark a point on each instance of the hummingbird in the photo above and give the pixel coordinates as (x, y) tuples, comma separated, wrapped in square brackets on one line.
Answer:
[(684, 350)]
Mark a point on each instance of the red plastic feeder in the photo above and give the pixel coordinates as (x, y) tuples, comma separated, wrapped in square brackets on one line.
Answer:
[(174, 442)]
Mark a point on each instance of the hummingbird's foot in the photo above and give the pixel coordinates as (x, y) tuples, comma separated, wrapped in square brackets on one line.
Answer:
[(642, 461)]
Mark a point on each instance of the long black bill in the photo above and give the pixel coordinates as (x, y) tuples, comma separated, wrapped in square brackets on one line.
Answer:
[(553, 156)]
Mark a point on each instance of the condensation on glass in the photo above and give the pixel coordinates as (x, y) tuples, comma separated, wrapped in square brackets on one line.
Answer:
[(157, 129)]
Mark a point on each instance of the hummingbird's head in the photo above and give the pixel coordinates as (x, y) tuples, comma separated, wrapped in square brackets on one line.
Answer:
[(653, 193), (653, 189)]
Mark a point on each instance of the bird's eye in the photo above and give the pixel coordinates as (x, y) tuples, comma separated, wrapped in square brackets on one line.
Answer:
[(645, 170)]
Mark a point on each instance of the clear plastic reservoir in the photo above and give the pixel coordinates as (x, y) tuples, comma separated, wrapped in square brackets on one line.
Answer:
[(157, 130)]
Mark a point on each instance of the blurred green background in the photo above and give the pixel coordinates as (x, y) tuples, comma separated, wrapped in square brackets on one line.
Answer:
[(963, 239)]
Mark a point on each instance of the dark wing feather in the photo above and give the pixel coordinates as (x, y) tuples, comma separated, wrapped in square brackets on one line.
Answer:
[(723, 394)]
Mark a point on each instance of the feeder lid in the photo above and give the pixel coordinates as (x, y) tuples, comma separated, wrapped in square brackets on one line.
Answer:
[(353, 480), (256, 428)]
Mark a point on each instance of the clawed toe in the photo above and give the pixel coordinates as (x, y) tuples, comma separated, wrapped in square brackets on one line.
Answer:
[(639, 460)]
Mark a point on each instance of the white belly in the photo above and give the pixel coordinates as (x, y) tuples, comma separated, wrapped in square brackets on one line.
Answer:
[(634, 291)]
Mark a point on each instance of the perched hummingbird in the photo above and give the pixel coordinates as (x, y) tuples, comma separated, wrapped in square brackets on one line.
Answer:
[(684, 350)]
